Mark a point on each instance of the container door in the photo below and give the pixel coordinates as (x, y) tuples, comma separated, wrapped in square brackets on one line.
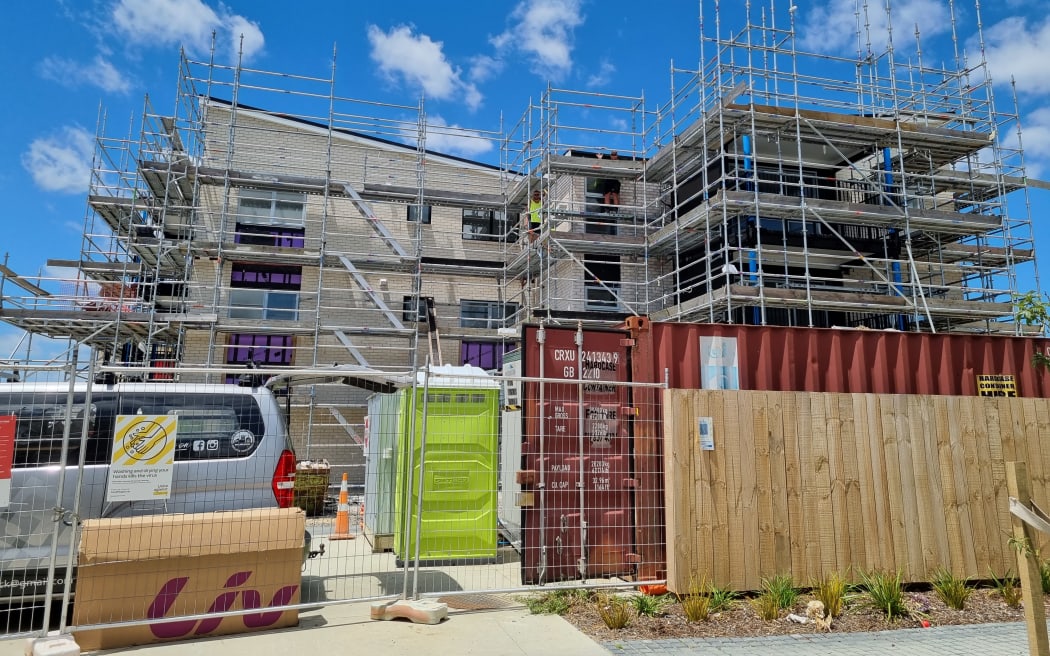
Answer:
[(576, 468)]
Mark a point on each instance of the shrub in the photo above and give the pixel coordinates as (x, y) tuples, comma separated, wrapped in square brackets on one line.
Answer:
[(951, 589), (649, 606), (722, 599), (767, 606), (614, 611), (1044, 575), (697, 604), (1009, 587), (885, 592), (831, 591), (782, 589)]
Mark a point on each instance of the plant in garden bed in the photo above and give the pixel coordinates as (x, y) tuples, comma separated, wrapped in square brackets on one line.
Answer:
[(778, 593), (651, 606), (722, 598), (1009, 587), (951, 589), (831, 591), (555, 602), (697, 604), (885, 592), (614, 611)]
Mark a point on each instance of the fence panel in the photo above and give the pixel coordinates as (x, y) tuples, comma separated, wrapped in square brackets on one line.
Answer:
[(191, 523), (811, 483)]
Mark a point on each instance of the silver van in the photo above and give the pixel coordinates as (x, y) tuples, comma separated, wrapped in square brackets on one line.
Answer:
[(231, 452)]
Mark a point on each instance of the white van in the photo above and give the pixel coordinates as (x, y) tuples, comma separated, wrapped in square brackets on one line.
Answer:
[(231, 452)]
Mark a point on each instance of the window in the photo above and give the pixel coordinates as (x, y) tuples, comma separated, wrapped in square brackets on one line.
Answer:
[(40, 421), (601, 282), (414, 213), (406, 309), (485, 314), (487, 225), (487, 355), (282, 237), (263, 350), (271, 208), (265, 292)]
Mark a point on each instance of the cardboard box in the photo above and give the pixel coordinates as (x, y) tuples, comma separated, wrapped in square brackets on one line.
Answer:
[(170, 566)]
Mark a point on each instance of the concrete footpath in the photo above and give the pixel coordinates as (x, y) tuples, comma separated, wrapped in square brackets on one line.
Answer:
[(516, 632)]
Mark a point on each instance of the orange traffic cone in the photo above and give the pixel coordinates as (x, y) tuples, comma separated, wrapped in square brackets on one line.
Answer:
[(342, 515)]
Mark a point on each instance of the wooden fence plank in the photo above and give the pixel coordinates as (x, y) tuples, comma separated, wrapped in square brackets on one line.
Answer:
[(997, 472), (889, 559), (793, 475), (909, 494), (961, 485), (734, 490), (894, 486), (1036, 473), (720, 531), (677, 500), (839, 517), (704, 511), (986, 490), (778, 483), (973, 486), (814, 494), (935, 414), (853, 520), (872, 538), (946, 463), (918, 424), (766, 563)]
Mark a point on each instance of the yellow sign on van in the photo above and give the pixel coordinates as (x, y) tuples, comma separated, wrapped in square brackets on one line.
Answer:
[(1001, 385), (143, 458)]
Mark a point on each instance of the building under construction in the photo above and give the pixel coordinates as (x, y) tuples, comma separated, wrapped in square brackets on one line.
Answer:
[(266, 219)]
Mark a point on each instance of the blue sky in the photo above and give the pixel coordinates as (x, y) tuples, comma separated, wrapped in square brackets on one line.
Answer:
[(474, 61)]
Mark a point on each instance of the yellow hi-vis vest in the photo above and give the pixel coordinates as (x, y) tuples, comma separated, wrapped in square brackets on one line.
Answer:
[(534, 211)]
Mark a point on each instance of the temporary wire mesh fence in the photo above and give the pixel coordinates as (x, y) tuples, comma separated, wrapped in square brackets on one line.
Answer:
[(182, 503)]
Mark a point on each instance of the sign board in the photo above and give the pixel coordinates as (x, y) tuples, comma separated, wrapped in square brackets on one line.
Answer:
[(143, 458), (719, 366), (705, 433), (7, 453), (996, 385)]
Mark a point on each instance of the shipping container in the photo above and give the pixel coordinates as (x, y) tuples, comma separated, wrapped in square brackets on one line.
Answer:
[(576, 479), (725, 356)]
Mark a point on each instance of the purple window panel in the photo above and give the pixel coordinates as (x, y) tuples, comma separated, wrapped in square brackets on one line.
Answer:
[(487, 355)]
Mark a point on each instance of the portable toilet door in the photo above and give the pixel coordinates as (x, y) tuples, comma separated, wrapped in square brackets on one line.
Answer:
[(458, 520), (384, 429)]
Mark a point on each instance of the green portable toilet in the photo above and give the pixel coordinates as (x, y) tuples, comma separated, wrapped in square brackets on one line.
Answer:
[(458, 520)]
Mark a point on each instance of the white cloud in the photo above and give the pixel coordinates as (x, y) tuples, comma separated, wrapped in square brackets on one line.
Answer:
[(451, 139), (543, 31), (603, 76), (186, 22), (484, 67), (1036, 136), (832, 27), (61, 162), (420, 61), (1015, 48), (99, 73)]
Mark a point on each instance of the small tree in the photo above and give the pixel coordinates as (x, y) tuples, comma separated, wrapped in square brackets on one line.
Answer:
[(1032, 309)]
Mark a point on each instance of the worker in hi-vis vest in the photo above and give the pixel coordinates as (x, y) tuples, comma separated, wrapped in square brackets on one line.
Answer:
[(535, 217)]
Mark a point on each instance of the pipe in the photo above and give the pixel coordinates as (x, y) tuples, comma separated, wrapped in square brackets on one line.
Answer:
[(541, 339)]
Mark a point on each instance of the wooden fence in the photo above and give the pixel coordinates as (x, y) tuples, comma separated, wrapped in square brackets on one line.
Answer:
[(809, 484)]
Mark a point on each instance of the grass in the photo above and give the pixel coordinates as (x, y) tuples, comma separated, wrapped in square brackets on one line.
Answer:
[(831, 591), (885, 592), (697, 604), (555, 602), (778, 593), (614, 611), (951, 589), (722, 598), (782, 589), (1009, 587), (651, 606)]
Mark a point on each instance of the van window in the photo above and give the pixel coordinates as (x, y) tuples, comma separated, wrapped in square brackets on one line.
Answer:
[(209, 426), (41, 420)]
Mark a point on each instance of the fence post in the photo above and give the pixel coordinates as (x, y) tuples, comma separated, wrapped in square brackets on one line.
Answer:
[(1017, 485)]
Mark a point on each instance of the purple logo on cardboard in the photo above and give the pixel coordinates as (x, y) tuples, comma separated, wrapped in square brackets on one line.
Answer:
[(250, 599)]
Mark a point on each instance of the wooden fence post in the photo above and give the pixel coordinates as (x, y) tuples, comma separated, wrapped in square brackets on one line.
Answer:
[(1027, 564)]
